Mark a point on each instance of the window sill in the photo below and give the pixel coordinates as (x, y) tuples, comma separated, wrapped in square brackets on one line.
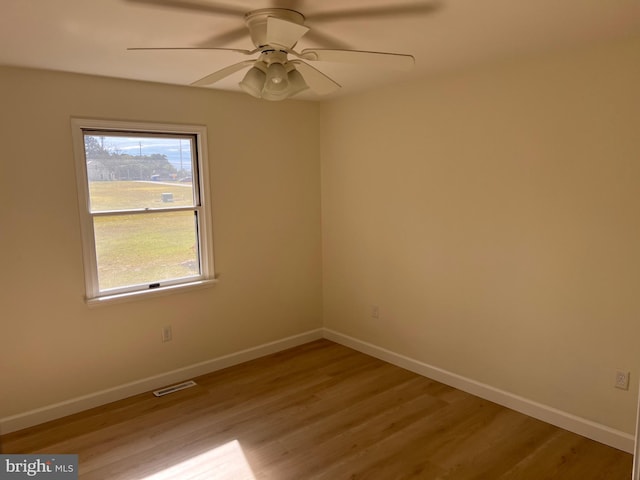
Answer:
[(145, 294)]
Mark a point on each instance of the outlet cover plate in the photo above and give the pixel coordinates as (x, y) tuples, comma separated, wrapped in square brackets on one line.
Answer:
[(167, 334), (622, 379)]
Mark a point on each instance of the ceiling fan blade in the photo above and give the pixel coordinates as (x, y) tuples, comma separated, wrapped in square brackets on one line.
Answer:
[(382, 59), (297, 5), (220, 74), (317, 81), (283, 33), (195, 5), (414, 8), (237, 50)]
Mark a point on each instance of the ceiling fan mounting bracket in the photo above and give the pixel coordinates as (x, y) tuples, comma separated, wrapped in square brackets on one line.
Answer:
[(256, 22), (273, 56)]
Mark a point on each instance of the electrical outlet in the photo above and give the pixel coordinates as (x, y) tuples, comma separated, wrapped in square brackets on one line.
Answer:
[(375, 311), (622, 380), (167, 335)]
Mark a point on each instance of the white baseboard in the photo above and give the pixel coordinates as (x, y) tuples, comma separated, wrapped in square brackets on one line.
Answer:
[(581, 426), (78, 404), (573, 423)]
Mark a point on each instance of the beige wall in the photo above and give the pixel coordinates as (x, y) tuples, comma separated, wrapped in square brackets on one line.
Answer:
[(266, 213), (493, 215)]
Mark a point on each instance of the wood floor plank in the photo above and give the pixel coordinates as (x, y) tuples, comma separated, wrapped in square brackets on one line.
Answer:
[(319, 411)]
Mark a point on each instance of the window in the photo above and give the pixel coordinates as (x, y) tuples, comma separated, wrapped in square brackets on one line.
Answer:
[(144, 204)]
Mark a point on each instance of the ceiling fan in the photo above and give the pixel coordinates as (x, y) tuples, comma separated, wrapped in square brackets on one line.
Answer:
[(275, 32)]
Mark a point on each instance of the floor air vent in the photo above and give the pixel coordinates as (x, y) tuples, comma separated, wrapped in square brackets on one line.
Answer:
[(174, 388)]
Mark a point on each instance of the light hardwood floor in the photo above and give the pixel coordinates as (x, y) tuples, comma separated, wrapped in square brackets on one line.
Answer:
[(318, 411)]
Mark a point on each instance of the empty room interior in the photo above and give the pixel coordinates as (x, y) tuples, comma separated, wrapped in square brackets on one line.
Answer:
[(420, 273)]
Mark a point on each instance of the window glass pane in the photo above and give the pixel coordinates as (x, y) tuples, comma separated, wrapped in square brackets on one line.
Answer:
[(145, 248), (136, 172)]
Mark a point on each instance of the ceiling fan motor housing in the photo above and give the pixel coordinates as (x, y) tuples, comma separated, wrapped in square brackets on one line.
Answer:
[(256, 22)]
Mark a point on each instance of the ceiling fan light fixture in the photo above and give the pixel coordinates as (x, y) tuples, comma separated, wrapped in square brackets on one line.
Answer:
[(274, 97), (253, 82), (277, 79), (293, 84), (296, 83)]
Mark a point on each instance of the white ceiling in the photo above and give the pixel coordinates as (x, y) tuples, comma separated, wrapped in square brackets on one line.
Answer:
[(91, 36)]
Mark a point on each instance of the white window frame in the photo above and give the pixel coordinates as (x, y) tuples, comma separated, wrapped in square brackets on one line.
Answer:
[(93, 295)]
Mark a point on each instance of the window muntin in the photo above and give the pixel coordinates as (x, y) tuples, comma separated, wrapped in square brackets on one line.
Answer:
[(143, 206)]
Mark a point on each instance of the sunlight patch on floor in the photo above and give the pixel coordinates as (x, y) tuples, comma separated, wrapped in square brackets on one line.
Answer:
[(226, 462)]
